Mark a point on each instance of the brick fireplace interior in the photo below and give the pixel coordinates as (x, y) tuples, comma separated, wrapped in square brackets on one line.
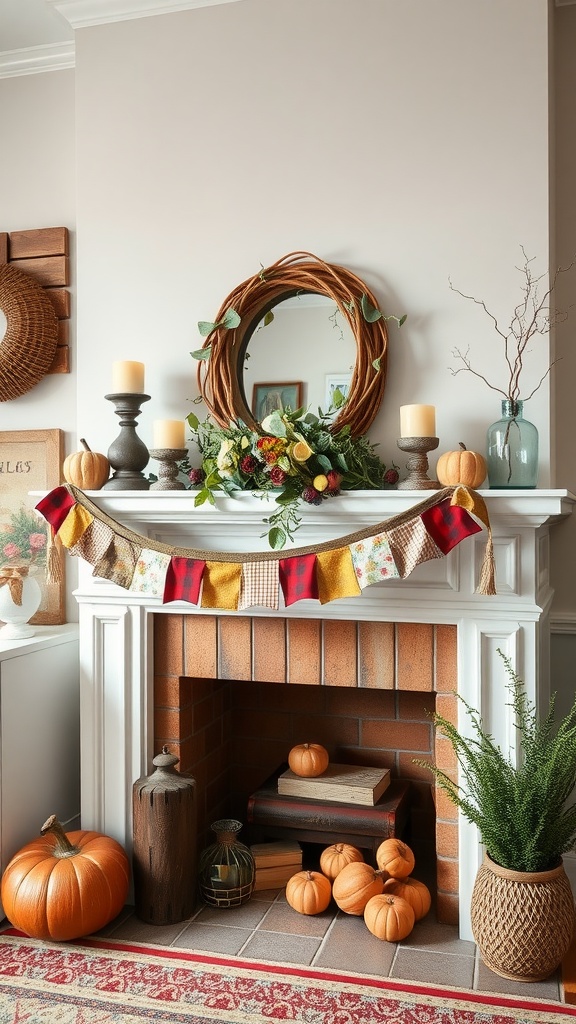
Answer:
[(232, 694)]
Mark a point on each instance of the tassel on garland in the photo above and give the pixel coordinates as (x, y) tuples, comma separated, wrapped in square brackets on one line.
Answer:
[(54, 571), (487, 583), (474, 503)]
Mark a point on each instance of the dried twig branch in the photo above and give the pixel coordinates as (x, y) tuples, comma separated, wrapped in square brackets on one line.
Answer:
[(532, 315)]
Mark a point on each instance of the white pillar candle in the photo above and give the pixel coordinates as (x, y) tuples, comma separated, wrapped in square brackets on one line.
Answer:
[(127, 378), (168, 434), (417, 421)]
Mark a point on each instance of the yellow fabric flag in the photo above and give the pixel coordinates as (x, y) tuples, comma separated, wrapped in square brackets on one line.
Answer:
[(335, 575), (76, 523), (472, 502), (221, 585)]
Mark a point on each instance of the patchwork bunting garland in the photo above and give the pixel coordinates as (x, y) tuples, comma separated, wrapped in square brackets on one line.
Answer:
[(326, 572)]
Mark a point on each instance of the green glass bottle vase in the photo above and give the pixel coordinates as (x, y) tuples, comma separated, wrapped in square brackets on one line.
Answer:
[(226, 867), (512, 449)]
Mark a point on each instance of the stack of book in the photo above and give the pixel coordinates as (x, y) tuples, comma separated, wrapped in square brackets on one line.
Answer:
[(342, 783), (276, 863)]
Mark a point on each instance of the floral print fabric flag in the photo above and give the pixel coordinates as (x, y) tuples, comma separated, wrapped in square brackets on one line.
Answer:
[(373, 561), (150, 573)]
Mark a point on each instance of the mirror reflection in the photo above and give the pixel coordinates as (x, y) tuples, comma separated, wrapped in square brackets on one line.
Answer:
[(298, 356)]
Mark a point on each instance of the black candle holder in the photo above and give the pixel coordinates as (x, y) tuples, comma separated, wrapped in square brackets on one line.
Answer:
[(127, 455), (168, 469), (417, 465)]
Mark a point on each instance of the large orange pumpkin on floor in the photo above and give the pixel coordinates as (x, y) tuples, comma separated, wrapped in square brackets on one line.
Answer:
[(308, 760), (65, 884), (354, 885)]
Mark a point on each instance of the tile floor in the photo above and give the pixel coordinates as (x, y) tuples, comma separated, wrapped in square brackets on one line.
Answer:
[(266, 928)]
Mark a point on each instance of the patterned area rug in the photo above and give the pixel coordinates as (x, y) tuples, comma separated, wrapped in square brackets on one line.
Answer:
[(95, 982)]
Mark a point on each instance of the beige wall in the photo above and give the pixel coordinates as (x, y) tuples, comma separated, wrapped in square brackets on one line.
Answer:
[(384, 136)]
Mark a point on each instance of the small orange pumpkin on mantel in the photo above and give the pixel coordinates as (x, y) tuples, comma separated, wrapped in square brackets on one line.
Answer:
[(308, 760), (87, 470), (461, 467)]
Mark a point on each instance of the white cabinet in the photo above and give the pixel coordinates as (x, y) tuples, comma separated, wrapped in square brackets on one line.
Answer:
[(39, 735)]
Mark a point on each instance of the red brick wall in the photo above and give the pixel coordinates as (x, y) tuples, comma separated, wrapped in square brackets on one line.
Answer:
[(364, 690)]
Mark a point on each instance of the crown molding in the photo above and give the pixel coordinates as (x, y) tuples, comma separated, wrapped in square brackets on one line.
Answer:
[(32, 60), (83, 13)]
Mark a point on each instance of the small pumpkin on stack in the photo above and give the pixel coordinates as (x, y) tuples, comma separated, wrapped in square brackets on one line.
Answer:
[(309, 760), (86, 469), (461, 467)]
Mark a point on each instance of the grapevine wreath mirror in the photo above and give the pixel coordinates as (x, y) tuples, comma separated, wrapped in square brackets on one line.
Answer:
[(222, 357), (29, 344)]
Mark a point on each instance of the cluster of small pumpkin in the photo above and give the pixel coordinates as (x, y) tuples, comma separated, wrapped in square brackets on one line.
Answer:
[(390, 900), (388, 897)]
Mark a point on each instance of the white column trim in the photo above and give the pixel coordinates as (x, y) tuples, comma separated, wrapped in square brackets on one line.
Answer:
[(33, 60)]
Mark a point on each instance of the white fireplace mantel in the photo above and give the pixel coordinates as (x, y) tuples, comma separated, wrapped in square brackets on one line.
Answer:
[(116, 658)]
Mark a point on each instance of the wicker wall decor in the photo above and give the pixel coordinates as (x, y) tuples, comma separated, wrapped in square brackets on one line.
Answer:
[(29, 344), (220, 376)]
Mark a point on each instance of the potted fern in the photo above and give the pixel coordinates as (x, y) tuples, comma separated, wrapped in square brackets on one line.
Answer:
[(522, 908)]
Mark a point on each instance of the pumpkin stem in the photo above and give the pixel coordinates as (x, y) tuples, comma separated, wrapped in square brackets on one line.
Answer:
[(463, 446), (64, 847), (85, 444)]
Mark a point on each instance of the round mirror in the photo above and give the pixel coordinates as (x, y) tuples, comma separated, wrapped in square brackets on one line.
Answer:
[(303, 337), (240, 331)]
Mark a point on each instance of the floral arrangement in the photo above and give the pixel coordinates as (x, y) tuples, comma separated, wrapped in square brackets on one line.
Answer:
[(22, 540), (296, 456)]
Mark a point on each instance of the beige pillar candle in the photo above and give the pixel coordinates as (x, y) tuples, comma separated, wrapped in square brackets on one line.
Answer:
[(417, 421), (127, 378), (168, 434)]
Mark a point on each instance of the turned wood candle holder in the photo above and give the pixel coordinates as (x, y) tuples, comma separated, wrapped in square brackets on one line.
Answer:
[(128, 455), (168, 459), (417, 465)]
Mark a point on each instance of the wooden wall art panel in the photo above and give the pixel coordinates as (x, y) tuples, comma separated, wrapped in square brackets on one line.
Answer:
[(43, 254)]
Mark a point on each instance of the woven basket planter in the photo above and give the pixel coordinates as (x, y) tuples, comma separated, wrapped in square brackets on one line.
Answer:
[(522, 922)]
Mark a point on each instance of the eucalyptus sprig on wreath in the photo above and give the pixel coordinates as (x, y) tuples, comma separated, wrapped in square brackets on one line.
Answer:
[(520, 809), (533, 315), (297, 457)]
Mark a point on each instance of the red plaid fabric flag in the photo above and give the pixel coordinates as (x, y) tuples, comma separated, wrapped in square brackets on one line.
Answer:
[(448, 524), (183, 580), (298, 578), (56, 506)]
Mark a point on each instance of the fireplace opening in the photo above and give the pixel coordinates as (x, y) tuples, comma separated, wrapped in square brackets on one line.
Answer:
[(231, 734)]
